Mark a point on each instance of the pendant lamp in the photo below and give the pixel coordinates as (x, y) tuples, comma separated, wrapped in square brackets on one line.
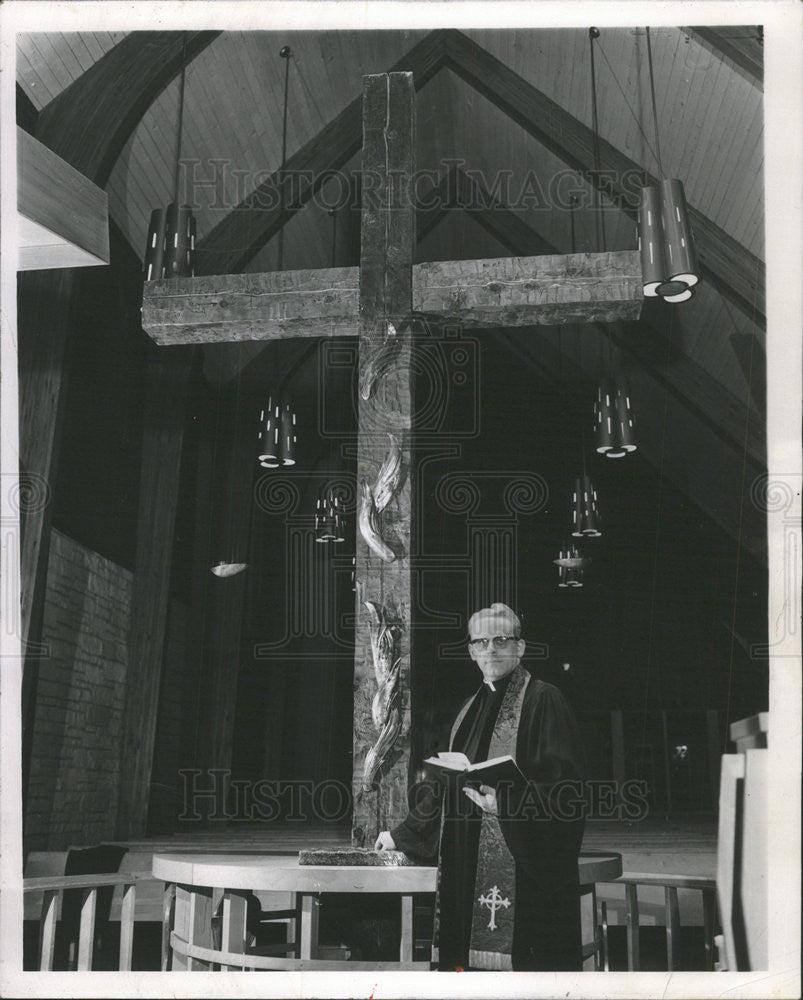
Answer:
[(329, 522), (277, 432), (170, 248), (668, 259), (585, 515), (570, 566), (613, 418)]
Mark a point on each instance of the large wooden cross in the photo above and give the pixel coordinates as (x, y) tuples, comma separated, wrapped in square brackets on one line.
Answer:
[(384, 291)]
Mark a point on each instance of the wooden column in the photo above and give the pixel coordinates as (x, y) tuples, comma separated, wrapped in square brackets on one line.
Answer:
[(163, 433), (388, 241)]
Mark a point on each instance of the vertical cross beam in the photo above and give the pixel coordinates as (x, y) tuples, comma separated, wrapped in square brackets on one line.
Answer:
[(388, 239)]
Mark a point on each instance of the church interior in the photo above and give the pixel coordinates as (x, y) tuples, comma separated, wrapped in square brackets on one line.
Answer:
[(197, 674)]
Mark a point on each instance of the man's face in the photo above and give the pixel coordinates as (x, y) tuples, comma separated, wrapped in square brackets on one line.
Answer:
[(495, 660)]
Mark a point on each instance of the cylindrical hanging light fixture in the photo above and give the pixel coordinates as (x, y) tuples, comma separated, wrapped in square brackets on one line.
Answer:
[(681, 257), (287, 431), (179, 251), (329, 521), (651, 241), (570, 566), (170, 250), (324, 521), (668, 258), (624, 419), (605, 418), (153, 265), (585, 515), (269, 447), (277, 432), (613, 418)]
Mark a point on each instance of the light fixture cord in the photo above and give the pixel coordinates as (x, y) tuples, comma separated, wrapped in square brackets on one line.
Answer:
[(280, 254), (654, 107), (592, 34), (180, 127), (572, 206)]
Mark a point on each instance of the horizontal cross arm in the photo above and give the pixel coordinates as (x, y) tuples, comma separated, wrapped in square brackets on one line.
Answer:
[(498, 292)]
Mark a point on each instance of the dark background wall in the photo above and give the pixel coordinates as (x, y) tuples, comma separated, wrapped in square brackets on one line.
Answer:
[(665, 621)]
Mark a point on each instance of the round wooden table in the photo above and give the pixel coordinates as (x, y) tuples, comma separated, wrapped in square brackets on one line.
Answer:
[(197, 875)]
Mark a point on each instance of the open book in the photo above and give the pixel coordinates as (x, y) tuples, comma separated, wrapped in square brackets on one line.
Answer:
[(450, 765)]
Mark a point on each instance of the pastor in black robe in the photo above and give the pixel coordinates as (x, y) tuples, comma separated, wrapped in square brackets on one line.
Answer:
[(544, 840)]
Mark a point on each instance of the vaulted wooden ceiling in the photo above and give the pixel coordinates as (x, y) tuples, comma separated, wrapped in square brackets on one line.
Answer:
[(510, 111)]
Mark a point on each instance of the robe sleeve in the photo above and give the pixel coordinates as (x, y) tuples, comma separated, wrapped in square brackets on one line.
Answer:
[(542, 820), (419, 833)]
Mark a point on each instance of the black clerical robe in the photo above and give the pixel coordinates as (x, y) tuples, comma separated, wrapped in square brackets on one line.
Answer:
[(508, 890)]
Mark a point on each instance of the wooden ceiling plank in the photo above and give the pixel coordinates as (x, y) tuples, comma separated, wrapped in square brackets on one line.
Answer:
[(266, 115), (729, 199), (746, 148), (723, 261), (716, 124), (49, 84), (697, 126), (80, 50), (221, 74), (746, 54), (329, 150), (94, 42)]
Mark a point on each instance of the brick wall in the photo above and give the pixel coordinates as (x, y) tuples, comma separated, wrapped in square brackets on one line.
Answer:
[(75, 758), (75, 762)]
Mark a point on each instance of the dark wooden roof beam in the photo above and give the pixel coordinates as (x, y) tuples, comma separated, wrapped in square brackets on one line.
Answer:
[(741, 44)]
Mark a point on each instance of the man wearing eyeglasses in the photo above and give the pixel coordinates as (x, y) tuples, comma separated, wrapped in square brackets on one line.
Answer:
[(508, 891)]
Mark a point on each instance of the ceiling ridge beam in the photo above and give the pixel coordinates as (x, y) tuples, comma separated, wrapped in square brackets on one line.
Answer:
[(729, 266), (741, 428), (238, 237), (746, 52)]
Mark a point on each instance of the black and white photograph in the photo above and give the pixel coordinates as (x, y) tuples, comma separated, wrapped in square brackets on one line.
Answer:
[(401, 493)]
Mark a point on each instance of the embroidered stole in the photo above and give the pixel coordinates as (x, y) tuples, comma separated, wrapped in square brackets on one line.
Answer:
[(495, 884)]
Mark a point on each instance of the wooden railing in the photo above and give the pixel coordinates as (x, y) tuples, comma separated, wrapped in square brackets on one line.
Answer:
[(670, 885), (52, 888)]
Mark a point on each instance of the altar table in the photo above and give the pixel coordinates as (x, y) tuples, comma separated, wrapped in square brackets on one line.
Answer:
[(196, 875)]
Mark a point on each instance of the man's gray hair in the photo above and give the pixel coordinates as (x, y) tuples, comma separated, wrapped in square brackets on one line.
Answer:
[(498, 611)]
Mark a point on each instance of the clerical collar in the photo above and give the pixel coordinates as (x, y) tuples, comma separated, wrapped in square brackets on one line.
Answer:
[(499, 682)]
